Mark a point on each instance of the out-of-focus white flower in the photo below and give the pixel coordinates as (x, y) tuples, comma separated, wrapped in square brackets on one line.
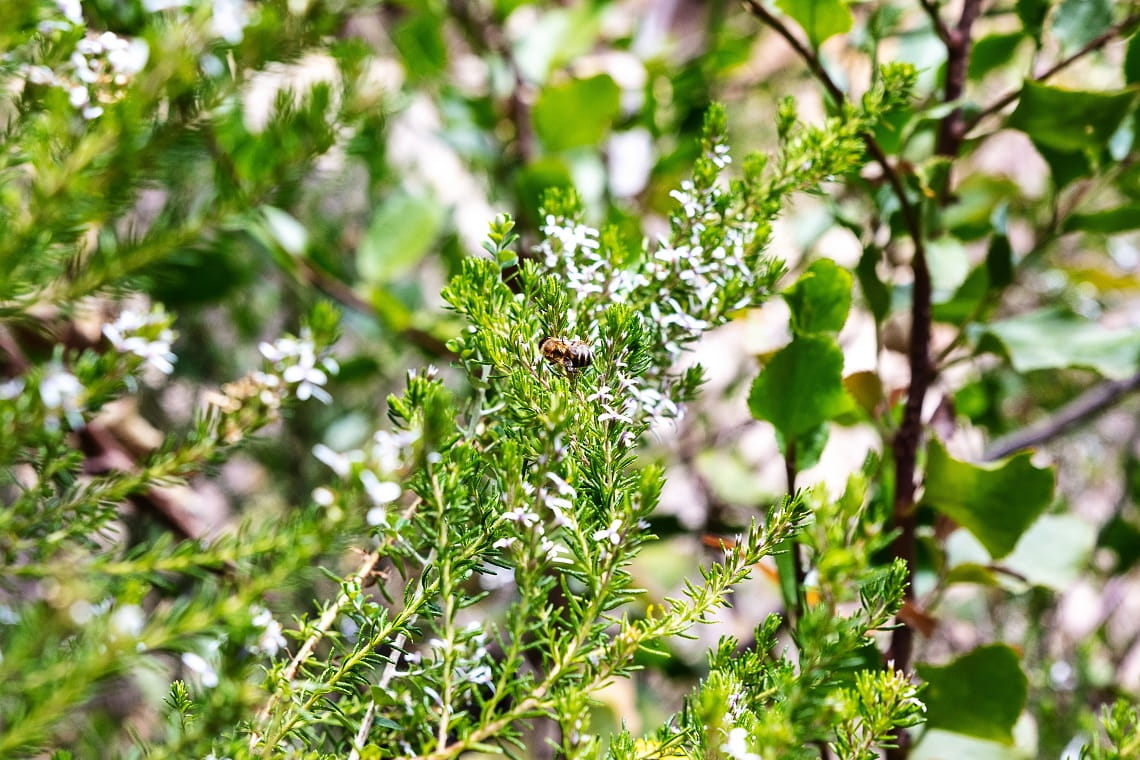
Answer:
[(129, 59), (737, 746), (9, 389), (153, 6), (229, 20), (201, 668), (339, 463), (270, 640), (308, 377), (78, 96), (379, 491), (60, 389), (127, 621), (323, 497), (71, 9)]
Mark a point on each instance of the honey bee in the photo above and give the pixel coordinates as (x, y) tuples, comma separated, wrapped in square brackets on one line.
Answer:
[(571, 355)]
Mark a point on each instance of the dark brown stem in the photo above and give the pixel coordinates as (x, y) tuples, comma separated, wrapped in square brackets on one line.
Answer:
[(958, 43), (1080, 410), (1113, 32), (799, 573)]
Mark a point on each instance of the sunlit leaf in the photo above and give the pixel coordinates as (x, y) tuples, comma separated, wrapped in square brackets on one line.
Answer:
[(979, 694), (801, 386), (820, 299)]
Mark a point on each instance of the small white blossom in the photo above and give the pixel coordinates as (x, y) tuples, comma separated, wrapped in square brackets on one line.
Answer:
[(71, 9), (153, 6), (555, 553), (10, 389), (270, 640), (379, 491), (60, 389), (229, 19), (339, 463), (200, 667), (737, 746), (504, 543), (522, 516), (611, 534), (127, 621)]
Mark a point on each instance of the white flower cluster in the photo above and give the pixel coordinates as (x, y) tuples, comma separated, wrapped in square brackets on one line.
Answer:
[(470, 661), (100, 66), (296, 362), (682, 283), (375, 467), (554, 496), (132, 333)]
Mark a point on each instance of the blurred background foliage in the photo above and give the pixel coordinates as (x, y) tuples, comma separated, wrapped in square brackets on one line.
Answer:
[(356, 152)]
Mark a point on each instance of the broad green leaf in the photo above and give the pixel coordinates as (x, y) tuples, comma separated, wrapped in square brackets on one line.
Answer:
[(949, 265), (1032, 14), (801, 387), (1107, 222), (992, 52), (979, 694), (1070, 120), (1054, 339), (947, 745), (999, 261), (400, 233), (576, 112), (996, 502), (1076, 22), (820, 19), (820, 299)]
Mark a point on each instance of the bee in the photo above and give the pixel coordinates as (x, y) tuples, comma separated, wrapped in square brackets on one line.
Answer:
[(571, 355)]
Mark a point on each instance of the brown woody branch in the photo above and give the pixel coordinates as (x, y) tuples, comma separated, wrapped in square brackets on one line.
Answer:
[(1080, 410), (1121, 29)]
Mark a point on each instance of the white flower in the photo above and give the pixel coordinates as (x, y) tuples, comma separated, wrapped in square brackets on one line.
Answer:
[(127, 621), (270, 641), (555, 553), (60, 389), (737, 746), (153, 6), (379, 491), (480, 675), (323, 497), (130, 58), (610, 534), (92, 112), (520, 515), (10, 389), (71, 9), (229, 20), (339, 463), (78, 96), (504, 543), (203, 669)]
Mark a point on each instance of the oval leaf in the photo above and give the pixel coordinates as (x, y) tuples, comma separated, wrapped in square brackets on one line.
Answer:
[(820, 299), (575, 113), (801, 387), (979, 694), (819, 18)]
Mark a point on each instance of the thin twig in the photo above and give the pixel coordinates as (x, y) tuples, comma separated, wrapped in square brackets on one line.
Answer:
[(1117, 30), (936, 20), (1078, 411)]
